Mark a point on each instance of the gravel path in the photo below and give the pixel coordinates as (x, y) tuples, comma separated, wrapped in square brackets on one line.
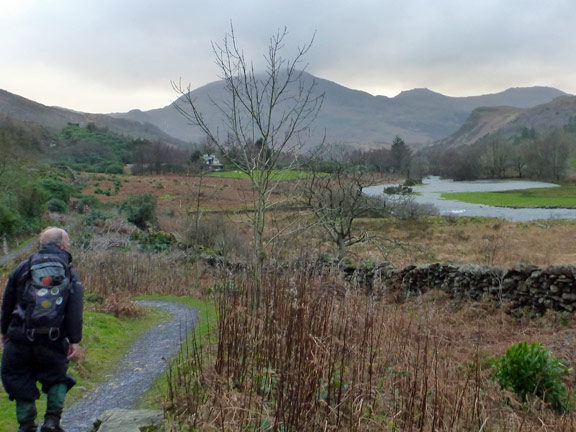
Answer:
[(17, 253), (145, 362), (31, 246)]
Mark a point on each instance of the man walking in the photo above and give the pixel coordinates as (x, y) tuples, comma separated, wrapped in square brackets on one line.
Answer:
[(41, 326)]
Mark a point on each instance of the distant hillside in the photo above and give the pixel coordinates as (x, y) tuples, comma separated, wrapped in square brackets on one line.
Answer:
[(355, 117), (506, 121), (352, 117), (554, 114), (25, 110)]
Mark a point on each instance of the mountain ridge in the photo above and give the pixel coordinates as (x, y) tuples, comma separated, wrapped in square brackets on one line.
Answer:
[(348, 116), (355, 117)]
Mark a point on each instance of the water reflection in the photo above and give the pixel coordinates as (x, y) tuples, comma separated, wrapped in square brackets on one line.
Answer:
[(434, 186)]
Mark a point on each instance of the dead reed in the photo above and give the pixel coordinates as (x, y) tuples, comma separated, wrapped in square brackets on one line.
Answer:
[(134, 273), (318, 355)]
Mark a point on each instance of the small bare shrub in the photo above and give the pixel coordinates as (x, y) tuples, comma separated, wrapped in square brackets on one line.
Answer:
[(117, 226), (121, 307), (218, 233), (107, 242), (493, 245), (408, 209)]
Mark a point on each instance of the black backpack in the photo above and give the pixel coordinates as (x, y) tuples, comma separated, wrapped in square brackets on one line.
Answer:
[(45, 296)]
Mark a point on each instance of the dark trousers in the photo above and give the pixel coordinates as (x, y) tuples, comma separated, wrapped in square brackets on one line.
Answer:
[(26, 363)]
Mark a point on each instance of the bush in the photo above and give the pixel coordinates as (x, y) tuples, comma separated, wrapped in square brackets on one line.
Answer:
[(56, 188), (30, 200), (398, 190), (376, 207), (412, 182), (530, 370), (88, 200), (8, 218), (111, 168), (140, 210), (154, 241), (56, 205), (217, 235), (406, 208), (94, 218)]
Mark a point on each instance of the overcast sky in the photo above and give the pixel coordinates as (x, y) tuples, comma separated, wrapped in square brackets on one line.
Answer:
[(116, 55)]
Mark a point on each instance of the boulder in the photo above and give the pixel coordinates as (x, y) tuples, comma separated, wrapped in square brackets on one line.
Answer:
[(124, 420)]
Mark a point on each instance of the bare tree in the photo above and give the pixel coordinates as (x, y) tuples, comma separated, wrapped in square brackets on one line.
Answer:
[(495, 156), (547, 156), (337, 200), (518, 153), (263, 119)]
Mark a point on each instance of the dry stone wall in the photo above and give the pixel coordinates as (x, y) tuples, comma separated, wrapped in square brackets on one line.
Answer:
[(522, 286)]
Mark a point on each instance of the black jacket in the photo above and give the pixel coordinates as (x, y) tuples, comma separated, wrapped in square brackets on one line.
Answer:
[(72, 327)]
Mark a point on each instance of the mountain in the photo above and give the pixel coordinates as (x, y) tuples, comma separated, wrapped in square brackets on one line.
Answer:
[(356, 117), (506, 121), (353, 117), (25, 110)]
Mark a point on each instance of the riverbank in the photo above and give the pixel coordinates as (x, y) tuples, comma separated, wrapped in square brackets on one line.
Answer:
[(562, 197), (434, 191)]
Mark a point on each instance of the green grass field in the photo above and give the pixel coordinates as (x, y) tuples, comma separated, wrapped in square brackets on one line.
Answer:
[(276, 174), (562, 196)]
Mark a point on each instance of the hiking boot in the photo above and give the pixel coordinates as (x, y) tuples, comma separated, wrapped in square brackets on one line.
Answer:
[(28, 428), (51, 424), (54, 405)]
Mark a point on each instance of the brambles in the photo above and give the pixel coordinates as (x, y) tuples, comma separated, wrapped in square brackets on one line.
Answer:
[(530, 370)]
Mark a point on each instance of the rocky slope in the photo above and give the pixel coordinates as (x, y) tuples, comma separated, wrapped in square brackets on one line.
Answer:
[(506, 121)]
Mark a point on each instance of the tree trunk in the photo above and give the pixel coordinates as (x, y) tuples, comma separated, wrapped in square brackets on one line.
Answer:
[(258, 239), (341, 248)]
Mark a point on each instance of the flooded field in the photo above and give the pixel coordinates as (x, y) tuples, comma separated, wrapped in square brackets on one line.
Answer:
[(433, 187)]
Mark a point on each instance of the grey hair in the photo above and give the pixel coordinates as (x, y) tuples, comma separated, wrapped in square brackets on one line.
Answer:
[(53, 236)]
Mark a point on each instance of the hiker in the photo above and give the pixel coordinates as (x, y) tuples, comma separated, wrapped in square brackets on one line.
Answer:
[(41, 326)]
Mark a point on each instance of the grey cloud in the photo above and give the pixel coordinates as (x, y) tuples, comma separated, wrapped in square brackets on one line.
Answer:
[(131, 45)]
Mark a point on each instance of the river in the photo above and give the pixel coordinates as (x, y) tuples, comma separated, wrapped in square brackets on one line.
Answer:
[(429, 193)]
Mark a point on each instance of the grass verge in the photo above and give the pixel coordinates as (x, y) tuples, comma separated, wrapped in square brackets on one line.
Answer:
[(562, 196)]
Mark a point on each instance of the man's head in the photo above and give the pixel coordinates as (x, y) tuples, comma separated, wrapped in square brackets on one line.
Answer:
[(55, 236)]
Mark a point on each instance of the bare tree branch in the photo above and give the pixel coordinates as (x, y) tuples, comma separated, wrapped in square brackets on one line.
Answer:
[(263, 117)]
